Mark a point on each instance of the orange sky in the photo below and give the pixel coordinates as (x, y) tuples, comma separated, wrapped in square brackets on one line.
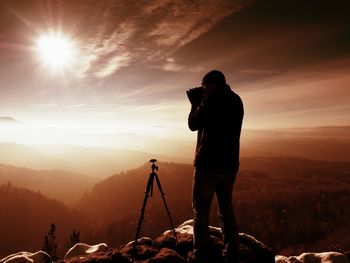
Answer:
[(288, 60)]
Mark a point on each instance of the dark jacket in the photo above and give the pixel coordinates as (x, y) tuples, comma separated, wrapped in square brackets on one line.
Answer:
[(218, 120)]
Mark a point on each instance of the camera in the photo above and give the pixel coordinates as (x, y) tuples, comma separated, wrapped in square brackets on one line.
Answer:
[(195, 95)]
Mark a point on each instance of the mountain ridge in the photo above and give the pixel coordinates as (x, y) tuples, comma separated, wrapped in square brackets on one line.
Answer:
[(65, 186), (99, 162), (8, 120)]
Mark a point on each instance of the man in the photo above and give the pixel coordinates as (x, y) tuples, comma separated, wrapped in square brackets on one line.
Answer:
[(217, 114)]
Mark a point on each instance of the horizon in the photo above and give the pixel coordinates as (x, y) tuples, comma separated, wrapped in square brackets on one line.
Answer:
[(45, 148), (20, 132)]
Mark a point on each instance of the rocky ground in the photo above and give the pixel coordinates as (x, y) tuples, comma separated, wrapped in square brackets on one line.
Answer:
[(165, 249)]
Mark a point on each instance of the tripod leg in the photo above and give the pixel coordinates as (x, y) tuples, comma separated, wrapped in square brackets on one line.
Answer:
[(165, 205), (148, 193)]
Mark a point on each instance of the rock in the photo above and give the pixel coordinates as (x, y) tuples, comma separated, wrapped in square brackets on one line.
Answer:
[(24, 257), (82, 249), (145, 241), (112, 255), (138, 251), (324, 257), (167, 255), (280, 259), (250, 249), (117, 257), (141, 241), (185, 244), (187, 228), (167, 240), (163, 249), (95, 258)]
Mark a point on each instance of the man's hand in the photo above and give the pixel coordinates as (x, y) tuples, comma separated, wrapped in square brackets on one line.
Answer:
[(195, 96)]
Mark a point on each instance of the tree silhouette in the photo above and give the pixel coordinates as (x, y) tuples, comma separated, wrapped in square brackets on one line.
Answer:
[(74, 238), (50, 245)]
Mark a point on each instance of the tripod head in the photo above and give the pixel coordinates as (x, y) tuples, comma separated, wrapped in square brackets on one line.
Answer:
[(154, 167)]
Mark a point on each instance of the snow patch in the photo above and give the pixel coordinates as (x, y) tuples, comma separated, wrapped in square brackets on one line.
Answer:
[(187, 228), (324, 257), (82, 249), (27, 257)]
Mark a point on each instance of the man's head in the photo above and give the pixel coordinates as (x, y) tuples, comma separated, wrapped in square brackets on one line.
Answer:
[(213, 80)]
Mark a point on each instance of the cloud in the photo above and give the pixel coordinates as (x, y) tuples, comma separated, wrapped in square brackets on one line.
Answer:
[(45, 105), (258, 71), (302, 97), (146, 32), (76, 105), (55, 105), (174, 66), (113, 64), (105, 52)]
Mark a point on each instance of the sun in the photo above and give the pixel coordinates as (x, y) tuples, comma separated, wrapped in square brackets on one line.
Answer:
[(56, 50)]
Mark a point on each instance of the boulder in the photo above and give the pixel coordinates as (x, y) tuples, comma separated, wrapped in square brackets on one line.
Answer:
[(324, 257), (82, 249), (139, 251), (166, 255), (250, 249), (24, 257)]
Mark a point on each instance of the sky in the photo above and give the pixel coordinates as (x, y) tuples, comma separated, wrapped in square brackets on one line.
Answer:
[(288, 60)]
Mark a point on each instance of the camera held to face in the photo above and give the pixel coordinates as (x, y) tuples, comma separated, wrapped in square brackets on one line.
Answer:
[(195, 95)]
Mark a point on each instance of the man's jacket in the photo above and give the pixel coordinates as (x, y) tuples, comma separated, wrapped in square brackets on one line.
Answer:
[(218, 120)]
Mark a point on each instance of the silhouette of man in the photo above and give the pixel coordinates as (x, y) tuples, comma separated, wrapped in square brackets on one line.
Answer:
[(217, 114)]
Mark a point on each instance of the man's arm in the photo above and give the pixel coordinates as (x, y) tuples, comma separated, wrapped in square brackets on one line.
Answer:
[(196, 117)]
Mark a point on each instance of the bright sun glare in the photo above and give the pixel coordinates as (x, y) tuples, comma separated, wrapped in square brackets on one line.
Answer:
[(56, 50)]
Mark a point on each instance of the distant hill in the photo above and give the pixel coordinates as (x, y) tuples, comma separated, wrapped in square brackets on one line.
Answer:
[(8, 120), (65, 186), (99, 162), (303, 201), (121, 194), (320, 143), (25, 156), (330, 143), (26, 217), (117, 201)]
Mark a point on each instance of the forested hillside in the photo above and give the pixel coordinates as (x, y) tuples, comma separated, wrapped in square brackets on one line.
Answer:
[(26, 217), (62, 185), (288, 203)]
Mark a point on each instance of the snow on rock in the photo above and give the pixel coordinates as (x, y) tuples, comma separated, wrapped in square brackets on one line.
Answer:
[(27, 257), (324, 257), (82, 249), (187, 228), (141, 241)]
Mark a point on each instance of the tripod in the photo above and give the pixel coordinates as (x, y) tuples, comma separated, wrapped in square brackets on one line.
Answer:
[(149, 193)]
